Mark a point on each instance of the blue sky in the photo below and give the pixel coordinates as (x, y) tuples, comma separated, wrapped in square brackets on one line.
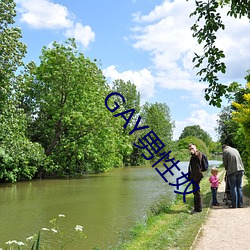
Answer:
[(148, 42)]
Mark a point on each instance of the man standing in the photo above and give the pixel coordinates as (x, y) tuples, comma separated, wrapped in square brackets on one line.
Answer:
[(195, 174), (235, 170)]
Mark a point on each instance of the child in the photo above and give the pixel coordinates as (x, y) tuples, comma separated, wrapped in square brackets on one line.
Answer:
[(214, 185)]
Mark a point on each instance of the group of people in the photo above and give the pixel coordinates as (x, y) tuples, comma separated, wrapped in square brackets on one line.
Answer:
[(234, 170)]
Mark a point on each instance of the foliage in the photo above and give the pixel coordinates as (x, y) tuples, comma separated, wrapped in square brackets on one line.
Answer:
[(231, 124), (68, 116), (130, 93), (227, 127), (53, 119), (205, 28), (12, 50), (242, 116), (132, 96), (20, 158), (201, 146), (215, 147), (181, 154), (157, 117), (196, 131)]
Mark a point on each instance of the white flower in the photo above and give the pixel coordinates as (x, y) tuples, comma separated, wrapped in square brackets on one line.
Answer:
[(54, 230), (78, 228), (45, 229), (29, 238), (20, 243), (10, 242), (61, 215)]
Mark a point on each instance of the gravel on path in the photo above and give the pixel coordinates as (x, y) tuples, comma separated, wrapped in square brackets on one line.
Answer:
[(225, 228)]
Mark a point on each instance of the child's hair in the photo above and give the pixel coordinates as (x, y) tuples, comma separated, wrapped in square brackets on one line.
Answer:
[(214, 170)]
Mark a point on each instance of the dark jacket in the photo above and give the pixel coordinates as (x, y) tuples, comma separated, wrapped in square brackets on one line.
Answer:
[(194, 168)]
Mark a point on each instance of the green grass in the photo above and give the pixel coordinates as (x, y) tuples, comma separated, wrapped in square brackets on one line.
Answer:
[(169, 227), (246, 188)]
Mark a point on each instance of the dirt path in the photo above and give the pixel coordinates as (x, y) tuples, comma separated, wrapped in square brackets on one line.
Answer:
[(225, 228)]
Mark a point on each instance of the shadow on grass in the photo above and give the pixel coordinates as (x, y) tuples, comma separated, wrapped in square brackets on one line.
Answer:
[(246, 189), (180, 220)]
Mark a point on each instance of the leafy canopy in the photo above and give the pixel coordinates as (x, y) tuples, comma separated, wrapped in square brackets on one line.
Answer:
[(196, 131), (205, 28)]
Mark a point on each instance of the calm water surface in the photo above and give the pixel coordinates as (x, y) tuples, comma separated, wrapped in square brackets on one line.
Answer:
[(104, 204)]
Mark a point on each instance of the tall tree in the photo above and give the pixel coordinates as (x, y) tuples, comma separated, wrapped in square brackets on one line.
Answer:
[(196, 131), (69, 117), (227, 127), (12, 51), (132, 96), (207, 24), (157, 117), (229, 130), (184, 142), (242, 116), (129, 92), (19, 157)]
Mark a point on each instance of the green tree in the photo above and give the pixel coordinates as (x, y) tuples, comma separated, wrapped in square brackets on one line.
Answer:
[(12, 50), (183, 144), (157, 117), (230, 130), (196, 131), (20, 158), (207, 24), (69, 117), (215, 147), (132, 96), (241, 116), (130, 93), (227, 127)]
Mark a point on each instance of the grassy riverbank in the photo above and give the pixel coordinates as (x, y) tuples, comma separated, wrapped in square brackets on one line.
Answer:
[(170, 227)]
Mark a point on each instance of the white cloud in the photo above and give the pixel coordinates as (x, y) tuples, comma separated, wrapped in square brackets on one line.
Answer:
[(208, 122), (44, 14), (83, 34), (165, 33), (234, 41), (159, 12), (143, 79)]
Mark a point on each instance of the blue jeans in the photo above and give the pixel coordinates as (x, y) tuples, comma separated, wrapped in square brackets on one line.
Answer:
[(235, 182), (214, 196)]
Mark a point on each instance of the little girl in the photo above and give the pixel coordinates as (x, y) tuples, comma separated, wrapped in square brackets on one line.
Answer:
[(214, 185)]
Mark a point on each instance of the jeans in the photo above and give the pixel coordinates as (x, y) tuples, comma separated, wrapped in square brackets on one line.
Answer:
[(235, 182), (214, 196)]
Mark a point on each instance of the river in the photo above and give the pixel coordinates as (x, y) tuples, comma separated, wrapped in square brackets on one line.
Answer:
[(105, 204)]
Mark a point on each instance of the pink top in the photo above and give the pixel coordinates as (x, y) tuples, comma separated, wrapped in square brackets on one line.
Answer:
[(214, 181)]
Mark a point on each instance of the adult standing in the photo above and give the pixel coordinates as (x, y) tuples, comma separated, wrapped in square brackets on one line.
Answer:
[(235, 169), (195, 174)]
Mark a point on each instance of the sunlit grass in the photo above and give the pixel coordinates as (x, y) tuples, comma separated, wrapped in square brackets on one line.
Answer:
[(169, 226)]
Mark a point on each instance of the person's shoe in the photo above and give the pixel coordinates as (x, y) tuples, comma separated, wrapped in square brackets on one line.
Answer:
[(217, 204), (194, 212), (231, 206), (240, 206)]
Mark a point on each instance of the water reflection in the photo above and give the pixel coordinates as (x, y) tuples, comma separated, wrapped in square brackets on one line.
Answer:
[(105, 204)]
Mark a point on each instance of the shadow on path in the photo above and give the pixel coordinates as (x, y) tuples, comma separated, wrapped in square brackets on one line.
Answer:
[(225, 228)]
